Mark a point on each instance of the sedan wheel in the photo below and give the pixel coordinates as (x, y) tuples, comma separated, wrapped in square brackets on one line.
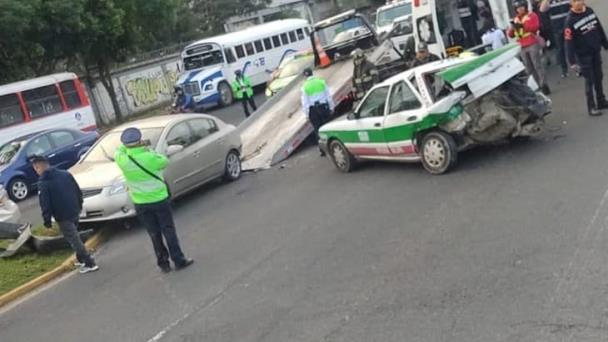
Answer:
[(232, 170), (18, 190), (341, 157), (439, 152)]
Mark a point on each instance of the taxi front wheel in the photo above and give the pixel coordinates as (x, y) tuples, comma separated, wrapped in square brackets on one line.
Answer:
[(341, 157), (438, 152)]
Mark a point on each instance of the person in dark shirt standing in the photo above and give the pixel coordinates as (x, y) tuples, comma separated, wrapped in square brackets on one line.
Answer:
[(584, 37), (60, 198)]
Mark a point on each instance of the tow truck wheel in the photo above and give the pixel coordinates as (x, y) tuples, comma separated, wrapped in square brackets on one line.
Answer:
[(225, 94), (341, 157), (438, 151)]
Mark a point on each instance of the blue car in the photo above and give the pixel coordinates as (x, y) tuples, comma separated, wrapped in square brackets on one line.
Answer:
[(63, 147)]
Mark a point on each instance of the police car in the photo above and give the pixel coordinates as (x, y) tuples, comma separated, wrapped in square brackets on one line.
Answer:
[(430, 113)]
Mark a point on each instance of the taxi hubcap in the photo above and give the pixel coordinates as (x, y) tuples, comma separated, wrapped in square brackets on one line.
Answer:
[(434, 153), (339, 156)]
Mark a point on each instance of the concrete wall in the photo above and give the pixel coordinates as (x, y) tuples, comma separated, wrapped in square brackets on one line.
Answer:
[(138, 88)]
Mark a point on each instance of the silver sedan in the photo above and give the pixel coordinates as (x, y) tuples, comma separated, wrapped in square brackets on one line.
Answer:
[(200, 147)]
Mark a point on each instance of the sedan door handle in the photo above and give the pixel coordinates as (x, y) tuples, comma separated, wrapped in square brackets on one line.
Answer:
[(78, 145), (52, 155), (377, 124)]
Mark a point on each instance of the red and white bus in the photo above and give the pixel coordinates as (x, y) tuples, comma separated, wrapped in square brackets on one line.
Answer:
[(42, 103)]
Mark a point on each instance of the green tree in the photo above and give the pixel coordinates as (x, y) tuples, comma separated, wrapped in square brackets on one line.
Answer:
[(213, 13)]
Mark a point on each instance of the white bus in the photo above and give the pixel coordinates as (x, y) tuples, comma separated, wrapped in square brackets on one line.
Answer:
[(42, 103), (209, 64)]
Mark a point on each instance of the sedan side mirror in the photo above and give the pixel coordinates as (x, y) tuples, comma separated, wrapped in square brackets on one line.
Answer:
[(173, 149)]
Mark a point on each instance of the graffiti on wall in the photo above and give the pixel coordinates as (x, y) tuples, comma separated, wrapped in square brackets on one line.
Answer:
[(151, 87)]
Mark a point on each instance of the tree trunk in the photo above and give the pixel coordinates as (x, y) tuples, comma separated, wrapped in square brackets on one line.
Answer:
[(106, 79)]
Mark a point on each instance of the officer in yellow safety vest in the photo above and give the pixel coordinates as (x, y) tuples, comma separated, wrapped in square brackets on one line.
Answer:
[(243, 91), (317, 102), (142, 169)]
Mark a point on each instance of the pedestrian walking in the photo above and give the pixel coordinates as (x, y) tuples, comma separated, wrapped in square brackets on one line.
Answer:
[(317, 102), (524, 28), (142, 168), (243, 91), (558, 11), (585, 37), (60, 198)]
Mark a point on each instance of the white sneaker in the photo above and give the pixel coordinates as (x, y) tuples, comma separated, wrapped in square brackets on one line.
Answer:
[(86, 269), (78, 264)]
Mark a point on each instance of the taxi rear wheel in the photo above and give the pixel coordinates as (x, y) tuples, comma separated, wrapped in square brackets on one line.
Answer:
[(438, 151), (341, 157)]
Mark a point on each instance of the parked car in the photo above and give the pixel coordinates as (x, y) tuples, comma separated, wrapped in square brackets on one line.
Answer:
[(289, 69), (9, 211), (63, 147), (201, 148), (430, 113)]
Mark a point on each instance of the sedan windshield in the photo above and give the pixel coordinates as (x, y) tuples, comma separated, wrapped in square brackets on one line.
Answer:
[(104, 150), (8, 152), (387, 16), (296, 65)]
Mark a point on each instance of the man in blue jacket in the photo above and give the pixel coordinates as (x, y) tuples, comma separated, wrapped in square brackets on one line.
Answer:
[(60, 198)]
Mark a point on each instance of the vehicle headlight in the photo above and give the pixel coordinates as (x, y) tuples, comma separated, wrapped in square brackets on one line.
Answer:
[(208, 86), (118, 188)]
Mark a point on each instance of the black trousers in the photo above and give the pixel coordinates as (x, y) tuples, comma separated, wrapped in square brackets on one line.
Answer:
[(591, 68), (558, 40), (248, 100), (469, 26), (158, 220), (69, 229), (318, 115)]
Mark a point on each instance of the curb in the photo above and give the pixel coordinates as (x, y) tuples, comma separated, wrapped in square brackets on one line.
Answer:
[(45, 278)]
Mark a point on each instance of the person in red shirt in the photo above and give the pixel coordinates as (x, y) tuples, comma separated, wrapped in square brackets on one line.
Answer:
[(524, 28)]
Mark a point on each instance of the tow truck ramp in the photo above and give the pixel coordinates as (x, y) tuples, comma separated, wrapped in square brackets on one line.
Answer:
[(279, 126)]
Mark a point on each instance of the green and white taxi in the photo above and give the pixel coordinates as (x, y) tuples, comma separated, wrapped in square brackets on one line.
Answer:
[(430, 113)]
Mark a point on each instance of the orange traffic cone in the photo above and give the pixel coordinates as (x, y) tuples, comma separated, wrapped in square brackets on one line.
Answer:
[(323, 58)]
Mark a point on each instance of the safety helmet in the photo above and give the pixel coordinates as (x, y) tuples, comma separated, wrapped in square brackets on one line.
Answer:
[(520, 3)]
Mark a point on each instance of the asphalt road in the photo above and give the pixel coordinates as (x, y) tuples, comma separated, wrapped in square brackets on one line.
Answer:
[(508, 247)]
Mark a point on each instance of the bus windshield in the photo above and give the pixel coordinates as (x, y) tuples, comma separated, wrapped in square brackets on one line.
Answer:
[(104, 150), (342, 31), (204, 60), (387, 16)]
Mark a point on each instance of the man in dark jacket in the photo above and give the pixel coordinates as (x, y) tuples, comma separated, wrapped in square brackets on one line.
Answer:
[(585, 37), (61, 198)]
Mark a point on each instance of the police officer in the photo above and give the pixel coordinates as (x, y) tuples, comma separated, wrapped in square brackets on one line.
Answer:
[(365, 74), (317, 102), (142, 169), (243, 91), (584, 37), (467, 11)]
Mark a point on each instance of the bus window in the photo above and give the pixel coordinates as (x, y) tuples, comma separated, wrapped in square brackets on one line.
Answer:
[(10, 110), (258, 46), (249, 49), (229, 56), (267, 43), (42, 101), (292, 36), (70, 94), (300, 34), (284, 39), (276, 41), (240, 53)]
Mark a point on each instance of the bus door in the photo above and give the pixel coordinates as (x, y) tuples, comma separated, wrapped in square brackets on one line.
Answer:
[(426, 26)]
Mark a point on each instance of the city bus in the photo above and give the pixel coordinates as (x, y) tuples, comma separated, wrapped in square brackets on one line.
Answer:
[(42, 103), (209, 64)]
